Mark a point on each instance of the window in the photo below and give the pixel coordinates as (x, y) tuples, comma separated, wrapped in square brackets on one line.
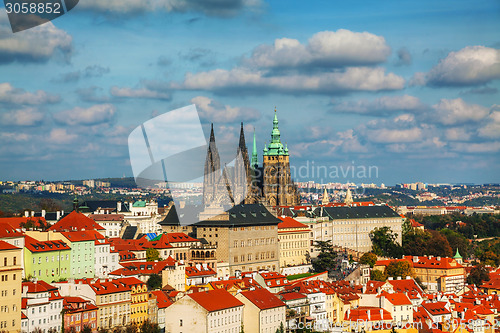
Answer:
[(180, 322), (5, 261)]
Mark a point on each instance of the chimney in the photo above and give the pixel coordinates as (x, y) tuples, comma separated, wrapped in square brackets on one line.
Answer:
[(408, 277), (26, 213), (398, 278), (415, 258), (438, 258), (119, 206), (43, 213), (390, 278), (62, 212), (32, 213), (58, 215)]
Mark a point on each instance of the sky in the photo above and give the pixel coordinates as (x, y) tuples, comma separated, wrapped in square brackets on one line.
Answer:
[(406, 89)]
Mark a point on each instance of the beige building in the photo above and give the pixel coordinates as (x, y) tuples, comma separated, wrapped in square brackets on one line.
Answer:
[(11, 277), (293, 238), (263, 313), (246, 237), (114, 302), (350, 226), (207, 311)]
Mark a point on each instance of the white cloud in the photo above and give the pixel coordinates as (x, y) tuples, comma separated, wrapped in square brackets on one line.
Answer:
[(219, 113), (472, 65), (93, 115), (38, 44), (456, 111), (61, 136), (246, 81), (476, 148), (457, 134), (9, 94), (385, 135), (492, 128), (324, 49), (381, 106), (14, 137), (139, 93), (23, 117)]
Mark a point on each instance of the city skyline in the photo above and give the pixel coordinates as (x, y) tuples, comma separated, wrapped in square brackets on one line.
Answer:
[(409, 89)]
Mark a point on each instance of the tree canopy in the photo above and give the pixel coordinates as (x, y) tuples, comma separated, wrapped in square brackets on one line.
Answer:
[(478, 274), (401, 268), (384, 242), (368, 258)]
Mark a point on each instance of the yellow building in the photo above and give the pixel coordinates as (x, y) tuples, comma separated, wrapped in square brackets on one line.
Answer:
[(113, 300), (10, 299), (293, 238), (139, 301)]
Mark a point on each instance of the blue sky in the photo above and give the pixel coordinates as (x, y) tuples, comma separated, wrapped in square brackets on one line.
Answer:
[(409, 87)]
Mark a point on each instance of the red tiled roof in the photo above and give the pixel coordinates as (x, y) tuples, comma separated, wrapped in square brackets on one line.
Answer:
[(107, 217), (82, 236), (162, 300), (289, 222), (39, 287), (193, 271), (215, 300), (372, 287), (273, 279), (7, 231), (240, 284), (167, 239), (396, 298), (75, 221), (115, 286), (415, 224), (367, 313), (408, 286), (143, 267), (15, 222), (436, 308), (263, 299), (288, 296), (434, 262), (6, 246), (34, 245)]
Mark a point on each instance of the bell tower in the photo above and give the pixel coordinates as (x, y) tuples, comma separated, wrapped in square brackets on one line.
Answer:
[(278, 187)]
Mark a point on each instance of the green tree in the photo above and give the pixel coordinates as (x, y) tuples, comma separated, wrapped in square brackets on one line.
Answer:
[(438, 245), (87, 329), (154, 282), (399, 268), (281, 329), (150, 327), (457, 241), (103, 330), (384, 242), (478, 274), (377, 275), (368, 258), (152, 254), (415, 242), (326, 259)]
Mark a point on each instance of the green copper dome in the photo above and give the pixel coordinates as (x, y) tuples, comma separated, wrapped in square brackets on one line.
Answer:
[(275, 147), (457, 255)]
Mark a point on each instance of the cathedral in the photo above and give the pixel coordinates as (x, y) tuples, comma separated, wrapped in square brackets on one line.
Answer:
[(270, 184)]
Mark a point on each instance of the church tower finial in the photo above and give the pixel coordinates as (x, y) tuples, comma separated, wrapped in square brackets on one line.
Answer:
[(255, 159)]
